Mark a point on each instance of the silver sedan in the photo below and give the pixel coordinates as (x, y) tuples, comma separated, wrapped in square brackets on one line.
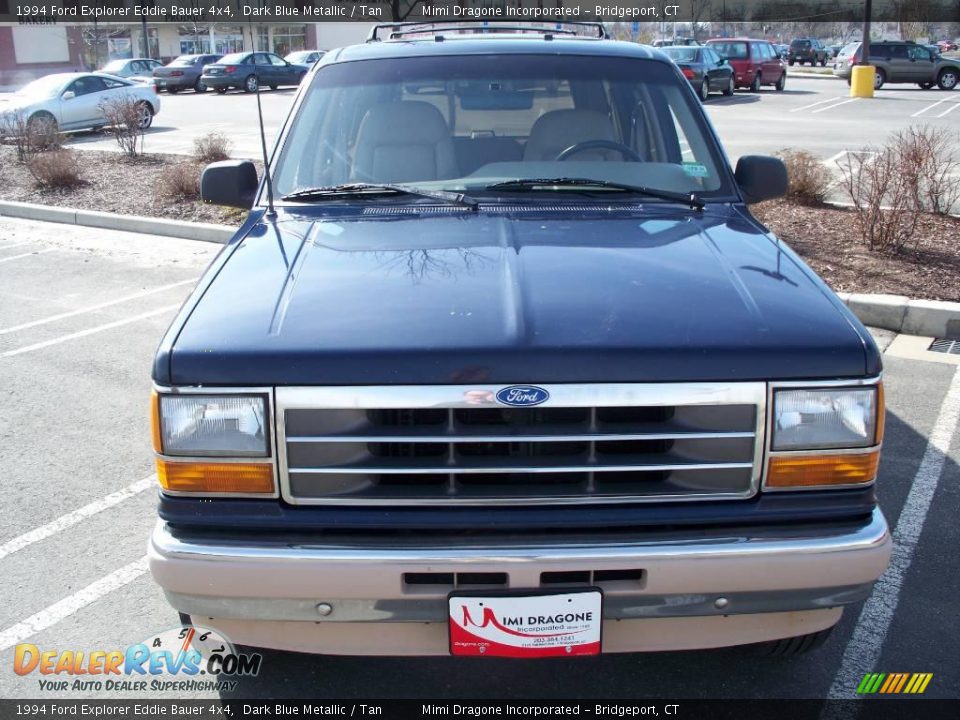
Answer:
[(74, 101)]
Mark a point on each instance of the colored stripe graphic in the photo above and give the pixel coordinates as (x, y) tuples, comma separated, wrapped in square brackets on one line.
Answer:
[(894, 683)]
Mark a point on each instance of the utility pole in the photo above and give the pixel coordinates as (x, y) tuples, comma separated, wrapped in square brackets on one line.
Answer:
[(865, 45)]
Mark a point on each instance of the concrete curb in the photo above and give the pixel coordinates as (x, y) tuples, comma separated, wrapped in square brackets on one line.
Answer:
[(929, 318), (204, 232)]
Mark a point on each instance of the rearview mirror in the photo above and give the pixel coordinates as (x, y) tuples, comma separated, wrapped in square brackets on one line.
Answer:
[(69, 95), (232, 183), (761, 177)]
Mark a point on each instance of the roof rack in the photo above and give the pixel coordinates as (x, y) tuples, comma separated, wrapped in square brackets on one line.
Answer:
[(399, 30)]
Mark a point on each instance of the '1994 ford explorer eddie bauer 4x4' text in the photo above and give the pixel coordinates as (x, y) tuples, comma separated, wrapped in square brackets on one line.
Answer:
[(511, 370)]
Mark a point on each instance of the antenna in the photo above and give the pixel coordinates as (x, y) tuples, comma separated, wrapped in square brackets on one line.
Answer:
[(271, 212)]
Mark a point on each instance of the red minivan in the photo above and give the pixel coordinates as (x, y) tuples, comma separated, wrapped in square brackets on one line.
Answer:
[(754, 62)]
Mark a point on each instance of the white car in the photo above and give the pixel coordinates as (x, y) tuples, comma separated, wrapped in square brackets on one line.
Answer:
[(72, 101), (137, 69)]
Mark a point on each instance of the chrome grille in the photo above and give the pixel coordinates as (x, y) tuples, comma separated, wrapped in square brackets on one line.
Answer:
[(450, 445)]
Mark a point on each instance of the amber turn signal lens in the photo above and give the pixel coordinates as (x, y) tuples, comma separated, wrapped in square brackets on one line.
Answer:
[(155, 421), (786, 471), (215, 477)]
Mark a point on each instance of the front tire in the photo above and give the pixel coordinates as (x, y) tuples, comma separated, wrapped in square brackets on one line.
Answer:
[(947, 79), (781, 82), (728, 90), (879, 79), (221, 91), (790, 647), (251, 84), (704, 90), (146, 116), (43, 129), (755, 85)]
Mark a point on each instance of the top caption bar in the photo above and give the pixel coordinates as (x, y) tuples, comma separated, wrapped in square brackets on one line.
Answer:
[(302, 11)]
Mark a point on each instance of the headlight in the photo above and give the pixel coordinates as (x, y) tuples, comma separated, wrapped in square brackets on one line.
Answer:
[(824, 419), (213, 425)]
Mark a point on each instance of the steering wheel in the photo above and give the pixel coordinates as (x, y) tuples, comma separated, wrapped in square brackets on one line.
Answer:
[(579, 147)]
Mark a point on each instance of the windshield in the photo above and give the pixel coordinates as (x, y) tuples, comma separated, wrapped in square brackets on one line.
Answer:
[(733, 50), (464, 123), (682, 54), (233, 59), (184, 61), (114, 66), (44, 87)]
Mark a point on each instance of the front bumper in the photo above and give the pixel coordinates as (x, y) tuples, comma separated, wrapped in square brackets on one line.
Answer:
[(697, 589)]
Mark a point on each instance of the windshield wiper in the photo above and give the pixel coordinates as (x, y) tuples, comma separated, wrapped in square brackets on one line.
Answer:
[(359, 189), (689, 199)]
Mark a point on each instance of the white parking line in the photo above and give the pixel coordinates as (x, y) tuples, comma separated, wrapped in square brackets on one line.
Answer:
[(931, 106), (72, 518), (92, 308), (14, 245), (63, 609), (831, 107), (29, 254), (863, 650), (950, 109), (84, 333), (819, 102)]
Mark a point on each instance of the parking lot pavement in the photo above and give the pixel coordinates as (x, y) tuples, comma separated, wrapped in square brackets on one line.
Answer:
[(82, 311)]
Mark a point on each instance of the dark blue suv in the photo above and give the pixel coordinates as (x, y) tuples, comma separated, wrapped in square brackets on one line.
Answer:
[(500, 364)]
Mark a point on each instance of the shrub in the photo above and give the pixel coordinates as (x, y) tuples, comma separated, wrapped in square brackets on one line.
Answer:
[(810, 180), (932, 165), (55, 169), (884, 198), (212, 147), (179, 182), (124, 116)]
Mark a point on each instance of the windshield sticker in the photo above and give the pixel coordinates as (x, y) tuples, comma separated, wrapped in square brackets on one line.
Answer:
[(695, 169)]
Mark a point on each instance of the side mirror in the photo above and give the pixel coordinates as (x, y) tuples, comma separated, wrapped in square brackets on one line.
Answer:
[(761, 177), (232, 183), (69, 95)]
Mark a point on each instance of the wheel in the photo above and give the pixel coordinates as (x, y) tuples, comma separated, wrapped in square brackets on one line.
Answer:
[(199, 86), (251, 84), (790, 62), (728, 90), (755, 85), (704, 90), (926, 85), (274, 87), (173, 91), (879, 79), (145, 114), (42, 129), (781, 82), (221, 91), (823, 62), (789, 647), (947, 79)]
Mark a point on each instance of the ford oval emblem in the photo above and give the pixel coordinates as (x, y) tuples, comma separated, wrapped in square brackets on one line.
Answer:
[(523, 395)]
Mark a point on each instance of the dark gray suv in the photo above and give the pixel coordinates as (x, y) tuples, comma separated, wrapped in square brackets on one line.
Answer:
[(901, 62)]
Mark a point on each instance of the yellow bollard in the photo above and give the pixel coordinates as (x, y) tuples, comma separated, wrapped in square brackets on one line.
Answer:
[(861, 80)]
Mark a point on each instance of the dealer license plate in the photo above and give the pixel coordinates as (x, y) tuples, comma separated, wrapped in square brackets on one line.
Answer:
[(526, 626)]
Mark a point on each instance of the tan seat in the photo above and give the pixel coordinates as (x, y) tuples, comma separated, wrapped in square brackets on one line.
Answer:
[(403, 142), (555, 131)]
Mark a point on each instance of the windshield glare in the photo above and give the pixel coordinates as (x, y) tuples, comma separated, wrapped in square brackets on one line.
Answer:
[(234, 59), (114, 66), (681, 54), (184, 61), (464, 123)]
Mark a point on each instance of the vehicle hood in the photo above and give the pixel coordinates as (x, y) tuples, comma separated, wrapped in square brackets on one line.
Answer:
[(510, 296)]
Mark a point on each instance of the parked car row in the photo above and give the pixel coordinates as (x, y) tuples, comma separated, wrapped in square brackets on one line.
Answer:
[(724, 64), (201, 72)]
